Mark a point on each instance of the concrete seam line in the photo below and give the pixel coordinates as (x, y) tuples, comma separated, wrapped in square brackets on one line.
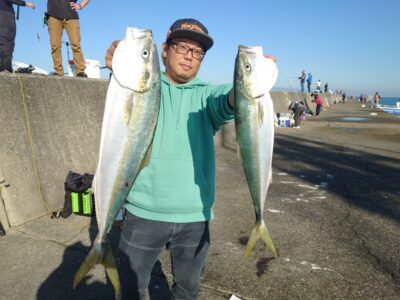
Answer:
[(211, 288), (225, 292), (29, 131), (63, 243)]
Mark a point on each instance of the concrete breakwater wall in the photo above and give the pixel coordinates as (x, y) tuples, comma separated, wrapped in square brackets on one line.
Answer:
[(50, 126)]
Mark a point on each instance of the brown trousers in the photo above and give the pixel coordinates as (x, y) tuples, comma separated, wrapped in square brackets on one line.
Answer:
[(56, 27)]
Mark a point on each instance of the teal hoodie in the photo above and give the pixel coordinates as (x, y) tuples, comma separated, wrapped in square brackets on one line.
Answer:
[(178, 185)]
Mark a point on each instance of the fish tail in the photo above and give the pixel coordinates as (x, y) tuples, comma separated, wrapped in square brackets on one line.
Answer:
[(104, 257), (111, 270), (260, 231)]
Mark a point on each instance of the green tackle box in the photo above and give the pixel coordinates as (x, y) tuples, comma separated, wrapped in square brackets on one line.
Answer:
[(83, 203)]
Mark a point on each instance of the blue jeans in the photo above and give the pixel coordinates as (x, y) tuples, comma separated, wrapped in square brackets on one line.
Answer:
[(140, 246), (302, 85), (318, 109)]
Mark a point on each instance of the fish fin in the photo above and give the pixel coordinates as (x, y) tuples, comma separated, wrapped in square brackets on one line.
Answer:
[(260, 231), (146, 158), (91, 259), (128, 108), (260, 114), (111, 270), (105, 258)]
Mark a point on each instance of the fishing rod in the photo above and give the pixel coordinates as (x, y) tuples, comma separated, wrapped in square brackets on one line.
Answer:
[(291, 81), (66, 43)]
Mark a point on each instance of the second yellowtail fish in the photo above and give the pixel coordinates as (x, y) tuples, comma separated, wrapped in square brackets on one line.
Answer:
[(254, 77)]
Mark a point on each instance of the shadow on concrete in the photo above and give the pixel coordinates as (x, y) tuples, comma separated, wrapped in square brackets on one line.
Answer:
[(363, 179), (58, 284)]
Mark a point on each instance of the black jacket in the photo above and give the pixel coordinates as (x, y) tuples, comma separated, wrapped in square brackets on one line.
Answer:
[(297, 106), (60, 9)]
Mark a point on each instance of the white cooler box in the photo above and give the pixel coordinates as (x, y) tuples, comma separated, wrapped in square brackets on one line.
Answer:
[(92, 68), (284, 122)]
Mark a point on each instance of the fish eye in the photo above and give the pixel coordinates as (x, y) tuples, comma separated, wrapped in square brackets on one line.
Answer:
[(247, 67), (145, 53)]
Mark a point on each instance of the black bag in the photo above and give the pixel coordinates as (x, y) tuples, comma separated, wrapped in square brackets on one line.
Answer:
[(78, 197), (26, 70)]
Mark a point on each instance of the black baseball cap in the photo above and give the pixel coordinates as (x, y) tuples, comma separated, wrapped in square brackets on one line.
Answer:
[(190, 29)]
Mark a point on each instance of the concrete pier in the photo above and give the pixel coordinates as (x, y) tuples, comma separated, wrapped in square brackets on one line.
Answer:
[(333, 208)]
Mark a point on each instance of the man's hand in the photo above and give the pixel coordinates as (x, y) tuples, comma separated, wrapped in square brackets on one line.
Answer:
[(110, 53), (30, 4), (273, 58)]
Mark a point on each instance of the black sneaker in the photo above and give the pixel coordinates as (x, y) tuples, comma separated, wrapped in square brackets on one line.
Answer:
[(82, 74)]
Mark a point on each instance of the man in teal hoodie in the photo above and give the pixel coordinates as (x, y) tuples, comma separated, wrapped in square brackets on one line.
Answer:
[(171, 201)]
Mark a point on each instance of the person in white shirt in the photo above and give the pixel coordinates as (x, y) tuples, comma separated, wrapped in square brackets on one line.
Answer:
[(319, 85)]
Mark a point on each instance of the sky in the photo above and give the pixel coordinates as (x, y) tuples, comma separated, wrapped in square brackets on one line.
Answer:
[(352, 45)]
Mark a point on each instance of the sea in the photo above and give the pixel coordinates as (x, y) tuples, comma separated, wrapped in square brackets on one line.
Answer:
[(390, 100)]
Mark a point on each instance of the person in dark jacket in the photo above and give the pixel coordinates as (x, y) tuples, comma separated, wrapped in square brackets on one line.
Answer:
[(8, 31), (297, 108), (302, 79), (326, 88), (62, 14)]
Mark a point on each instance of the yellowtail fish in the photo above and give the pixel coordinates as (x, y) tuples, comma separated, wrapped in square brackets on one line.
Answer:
[(254, 77), (129, 122)]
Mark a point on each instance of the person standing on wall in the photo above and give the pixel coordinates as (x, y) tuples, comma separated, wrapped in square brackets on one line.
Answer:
[(319, 85), (302, 80), (326, 88), (309, 82), (8, 30), (63, 14)]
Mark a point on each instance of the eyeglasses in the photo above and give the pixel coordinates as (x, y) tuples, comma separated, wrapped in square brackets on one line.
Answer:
[(183, 49)]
